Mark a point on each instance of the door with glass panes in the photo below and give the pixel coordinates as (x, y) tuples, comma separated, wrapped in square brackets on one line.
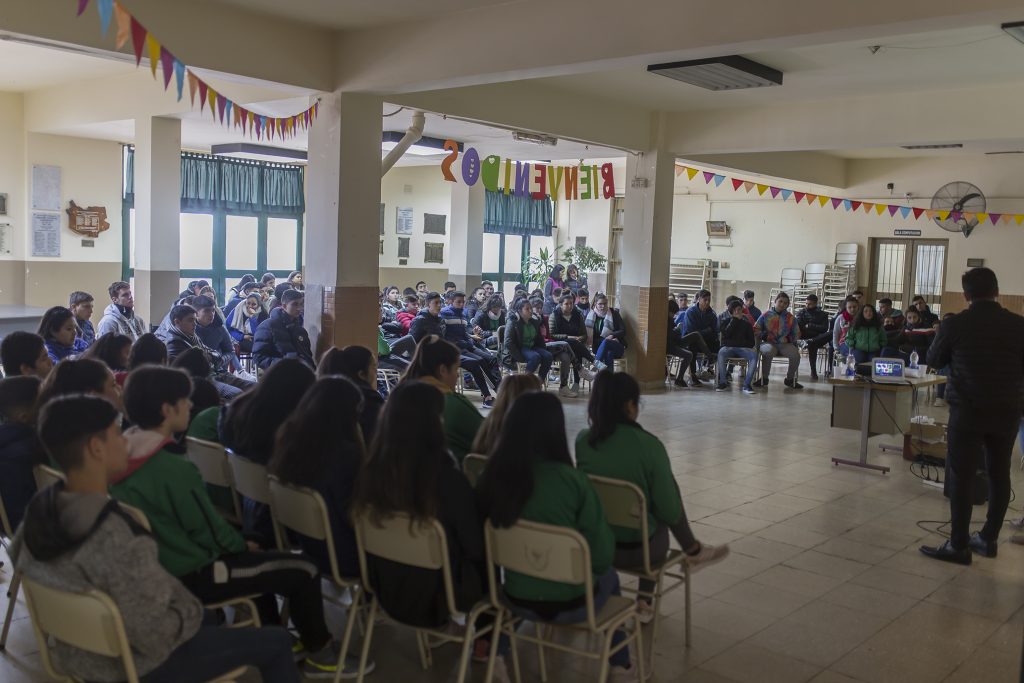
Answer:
[(904, 268)]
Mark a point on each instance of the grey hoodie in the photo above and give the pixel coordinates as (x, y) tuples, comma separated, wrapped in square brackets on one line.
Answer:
[(114, 321), (78, 542)]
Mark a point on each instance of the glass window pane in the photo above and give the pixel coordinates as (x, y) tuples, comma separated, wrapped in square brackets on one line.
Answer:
[(282, 236), (490, 252), (131, 238), (240, 247), (513, 254), (196, 250)]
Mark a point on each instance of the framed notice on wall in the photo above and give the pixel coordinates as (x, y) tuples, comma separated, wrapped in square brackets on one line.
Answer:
[(5, 239), (45, 234), (403, 221), (45, 188)]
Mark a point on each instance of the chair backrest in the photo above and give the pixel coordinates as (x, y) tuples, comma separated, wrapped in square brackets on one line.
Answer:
[(211, 459), (303, 511), (400, 539), (87, 621), (473, 466), (46, 476), (5, 523), (250, 478), (540, 551), (137, 514), (625, 506)]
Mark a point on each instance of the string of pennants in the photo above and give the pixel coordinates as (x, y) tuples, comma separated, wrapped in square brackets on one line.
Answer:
[(222, 108), (848, 204)]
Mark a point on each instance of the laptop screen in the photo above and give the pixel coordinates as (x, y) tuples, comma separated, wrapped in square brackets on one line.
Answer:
[(888, 368)]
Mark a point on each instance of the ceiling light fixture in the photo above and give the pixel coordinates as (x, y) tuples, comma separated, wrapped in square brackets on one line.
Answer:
[(1015, 29), (248, 150), (535, 138), (952, 145), (424, 147), (720, 73)]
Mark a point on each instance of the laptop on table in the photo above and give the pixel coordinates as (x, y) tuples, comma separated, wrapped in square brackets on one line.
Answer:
[(888, 371)]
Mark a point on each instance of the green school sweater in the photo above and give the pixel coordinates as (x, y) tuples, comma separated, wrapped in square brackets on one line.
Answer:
[(461, 423), (189, 531), (563, 496), (866, 338), (634, 455)]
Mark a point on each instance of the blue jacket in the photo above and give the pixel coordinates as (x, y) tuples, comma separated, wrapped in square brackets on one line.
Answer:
[(704, 322), (87, 331), (19, 452), (59, 352), (281, 336), (215, 335), (456, 328), (230, 305)]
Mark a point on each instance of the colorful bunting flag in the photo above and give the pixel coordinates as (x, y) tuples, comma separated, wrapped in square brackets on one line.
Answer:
[(106, 10), (761, 188), (82, 4), (837, 202), (138, 40), (854, 205), (690, 172), (811, 198), (718, 180), (124, 25), (917, 212), (786, 194), (748, 186), (167, 64), (179, 76), (775, 192), (823, 200), (736, 183), (708, 175), (799, 196), (905, 211)]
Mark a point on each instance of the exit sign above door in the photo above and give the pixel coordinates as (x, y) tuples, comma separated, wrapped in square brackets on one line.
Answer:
[(906, 233)]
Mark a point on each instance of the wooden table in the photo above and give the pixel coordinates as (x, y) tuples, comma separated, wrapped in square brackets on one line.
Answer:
[(852, 402)]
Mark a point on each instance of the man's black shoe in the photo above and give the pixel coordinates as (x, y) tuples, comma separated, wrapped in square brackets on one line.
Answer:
[(980, 546), (694, 382), (793, 384), (947, 553)]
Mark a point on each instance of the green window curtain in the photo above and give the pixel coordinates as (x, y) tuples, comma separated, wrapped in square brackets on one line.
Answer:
[(509, 214), (283, 189)]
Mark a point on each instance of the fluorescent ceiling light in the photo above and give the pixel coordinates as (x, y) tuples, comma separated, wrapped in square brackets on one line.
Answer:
[(424, 147), (416, 150), (1015, 29), (951, 145), (536, 138), (247, 150), (720, 73)]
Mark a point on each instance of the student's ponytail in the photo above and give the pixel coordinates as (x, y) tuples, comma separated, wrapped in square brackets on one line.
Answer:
[(608, 398), (431, 355)]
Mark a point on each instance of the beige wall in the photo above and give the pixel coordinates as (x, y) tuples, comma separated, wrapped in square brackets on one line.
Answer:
[(408, 277), (424, 190), (48, 283)]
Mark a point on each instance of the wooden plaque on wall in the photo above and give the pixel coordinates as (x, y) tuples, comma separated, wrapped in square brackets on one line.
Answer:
[(90, 221)]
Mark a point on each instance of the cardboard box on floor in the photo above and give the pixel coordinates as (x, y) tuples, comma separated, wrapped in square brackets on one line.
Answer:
[(927, 439)]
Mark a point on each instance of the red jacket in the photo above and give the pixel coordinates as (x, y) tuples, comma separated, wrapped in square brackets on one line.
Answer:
[(404, 318)]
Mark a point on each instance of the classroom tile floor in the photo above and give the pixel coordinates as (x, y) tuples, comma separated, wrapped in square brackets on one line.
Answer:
[(824, 582)]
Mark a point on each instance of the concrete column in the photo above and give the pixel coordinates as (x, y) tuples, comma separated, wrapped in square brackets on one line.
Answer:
[(342, 214), (646, 246), (157, 215), (466, 243)]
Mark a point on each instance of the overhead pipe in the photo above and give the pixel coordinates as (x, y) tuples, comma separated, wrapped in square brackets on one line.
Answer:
[(411, 137)]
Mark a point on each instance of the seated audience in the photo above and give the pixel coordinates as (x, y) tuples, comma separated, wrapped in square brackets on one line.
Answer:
[(82, 376), (524, 342), (724, 316), (81, 305), (488, 320), (560, 351), (60, 334), (567, 324), (20, 449), (275, 300), (76, 539), (195, 288), (927, 317), (488, 287), (512, 387), (320, 446), (916, 335), (683, 301), (700, 331), (239, 293), (574, 281), (737, 342), (583, 301), (674, 345), (195, 544), (430, 323), (295, 280), (194, 362), (359, 365), (606, 333), (421, 288), (449, 286), (268, 280), (778, 333), (437, 363), (409, 313), (203, 418), (120, 316), (814, 329), (530, 476), (892, 318), (553, 282), (616, 447), (182, 337), (866, 337), (841, 325), (147, 350), (282, 335), (456, 331), (243, 321), (24, 353), (113, 350), (477, 299), (392, 303), (749, 308), (213, 332)]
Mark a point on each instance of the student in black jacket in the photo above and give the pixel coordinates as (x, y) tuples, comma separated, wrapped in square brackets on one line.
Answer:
[(985, 390), (20, 449), (429, 322), (488, 320), (360, 365), (524, 341), (737, 342), (282, 334), (674, 345), (814, 328)]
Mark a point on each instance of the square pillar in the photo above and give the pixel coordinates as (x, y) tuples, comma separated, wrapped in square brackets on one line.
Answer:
[(466, 250), (342, 215), (646, 245), (157, 215)]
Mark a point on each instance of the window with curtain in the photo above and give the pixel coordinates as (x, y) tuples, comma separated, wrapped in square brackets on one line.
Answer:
[(509, 214)]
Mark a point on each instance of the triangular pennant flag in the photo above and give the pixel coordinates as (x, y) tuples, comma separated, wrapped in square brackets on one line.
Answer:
[(202, 94), (994, 217), (106, 10), (124, 25), (718, 180), (234, 116), (931, 213), (956, 215), (679, 170), (893, 209), (690, 172), (867, 206), (917, 212), (222, 104), (761, 188), (211, 97), (941, 214), (154, 52), (1018, 218), (193, 85), (775, 192), (1006, 218), (853, 205), (179, 76), (811, 198), (836, 202), (822, 201), (982, 217), (748, 186), (708, 175), (138, 40), (904, 211), (736, 183), (82, 4), (227, 110), (799, 196), (786, 194), (167, 63)]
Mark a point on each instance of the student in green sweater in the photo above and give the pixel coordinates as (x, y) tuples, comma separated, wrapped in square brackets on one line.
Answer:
[(194, 542), (866, 336), (530, 476), (436, 362), (616, 447)]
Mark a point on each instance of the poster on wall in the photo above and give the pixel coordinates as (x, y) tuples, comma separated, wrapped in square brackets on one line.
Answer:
[(5, 239), (45, 234), (45, 188), (403, 221)]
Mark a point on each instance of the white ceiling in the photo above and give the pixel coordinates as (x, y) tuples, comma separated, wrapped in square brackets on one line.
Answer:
[(920, 62), (28, 67), (350, 14)]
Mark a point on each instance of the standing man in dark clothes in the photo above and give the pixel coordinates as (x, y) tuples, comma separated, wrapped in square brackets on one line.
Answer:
[(986, 380), (815, 330)]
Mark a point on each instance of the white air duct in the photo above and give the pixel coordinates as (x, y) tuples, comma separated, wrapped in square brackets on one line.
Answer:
[(411, 137)]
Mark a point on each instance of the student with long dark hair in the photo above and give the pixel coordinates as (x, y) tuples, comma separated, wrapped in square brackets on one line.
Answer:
[(81, 376), (147, 350), (60, 334), (114, 350), (530, 476), (606, 333), (358, 364), (437, 363), (615, 446), (410, 470), (320, 446), (512, 387), (866, 336), (553, 283)]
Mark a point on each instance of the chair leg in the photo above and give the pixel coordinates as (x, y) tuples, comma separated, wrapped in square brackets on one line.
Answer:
[(656, 602), (12, 599), (350, 621), (515, 655), (467, 646), (606, 649), (641, 661), (689, 611), (495, 638), (424, 648), (365, 655), (540, 653)]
